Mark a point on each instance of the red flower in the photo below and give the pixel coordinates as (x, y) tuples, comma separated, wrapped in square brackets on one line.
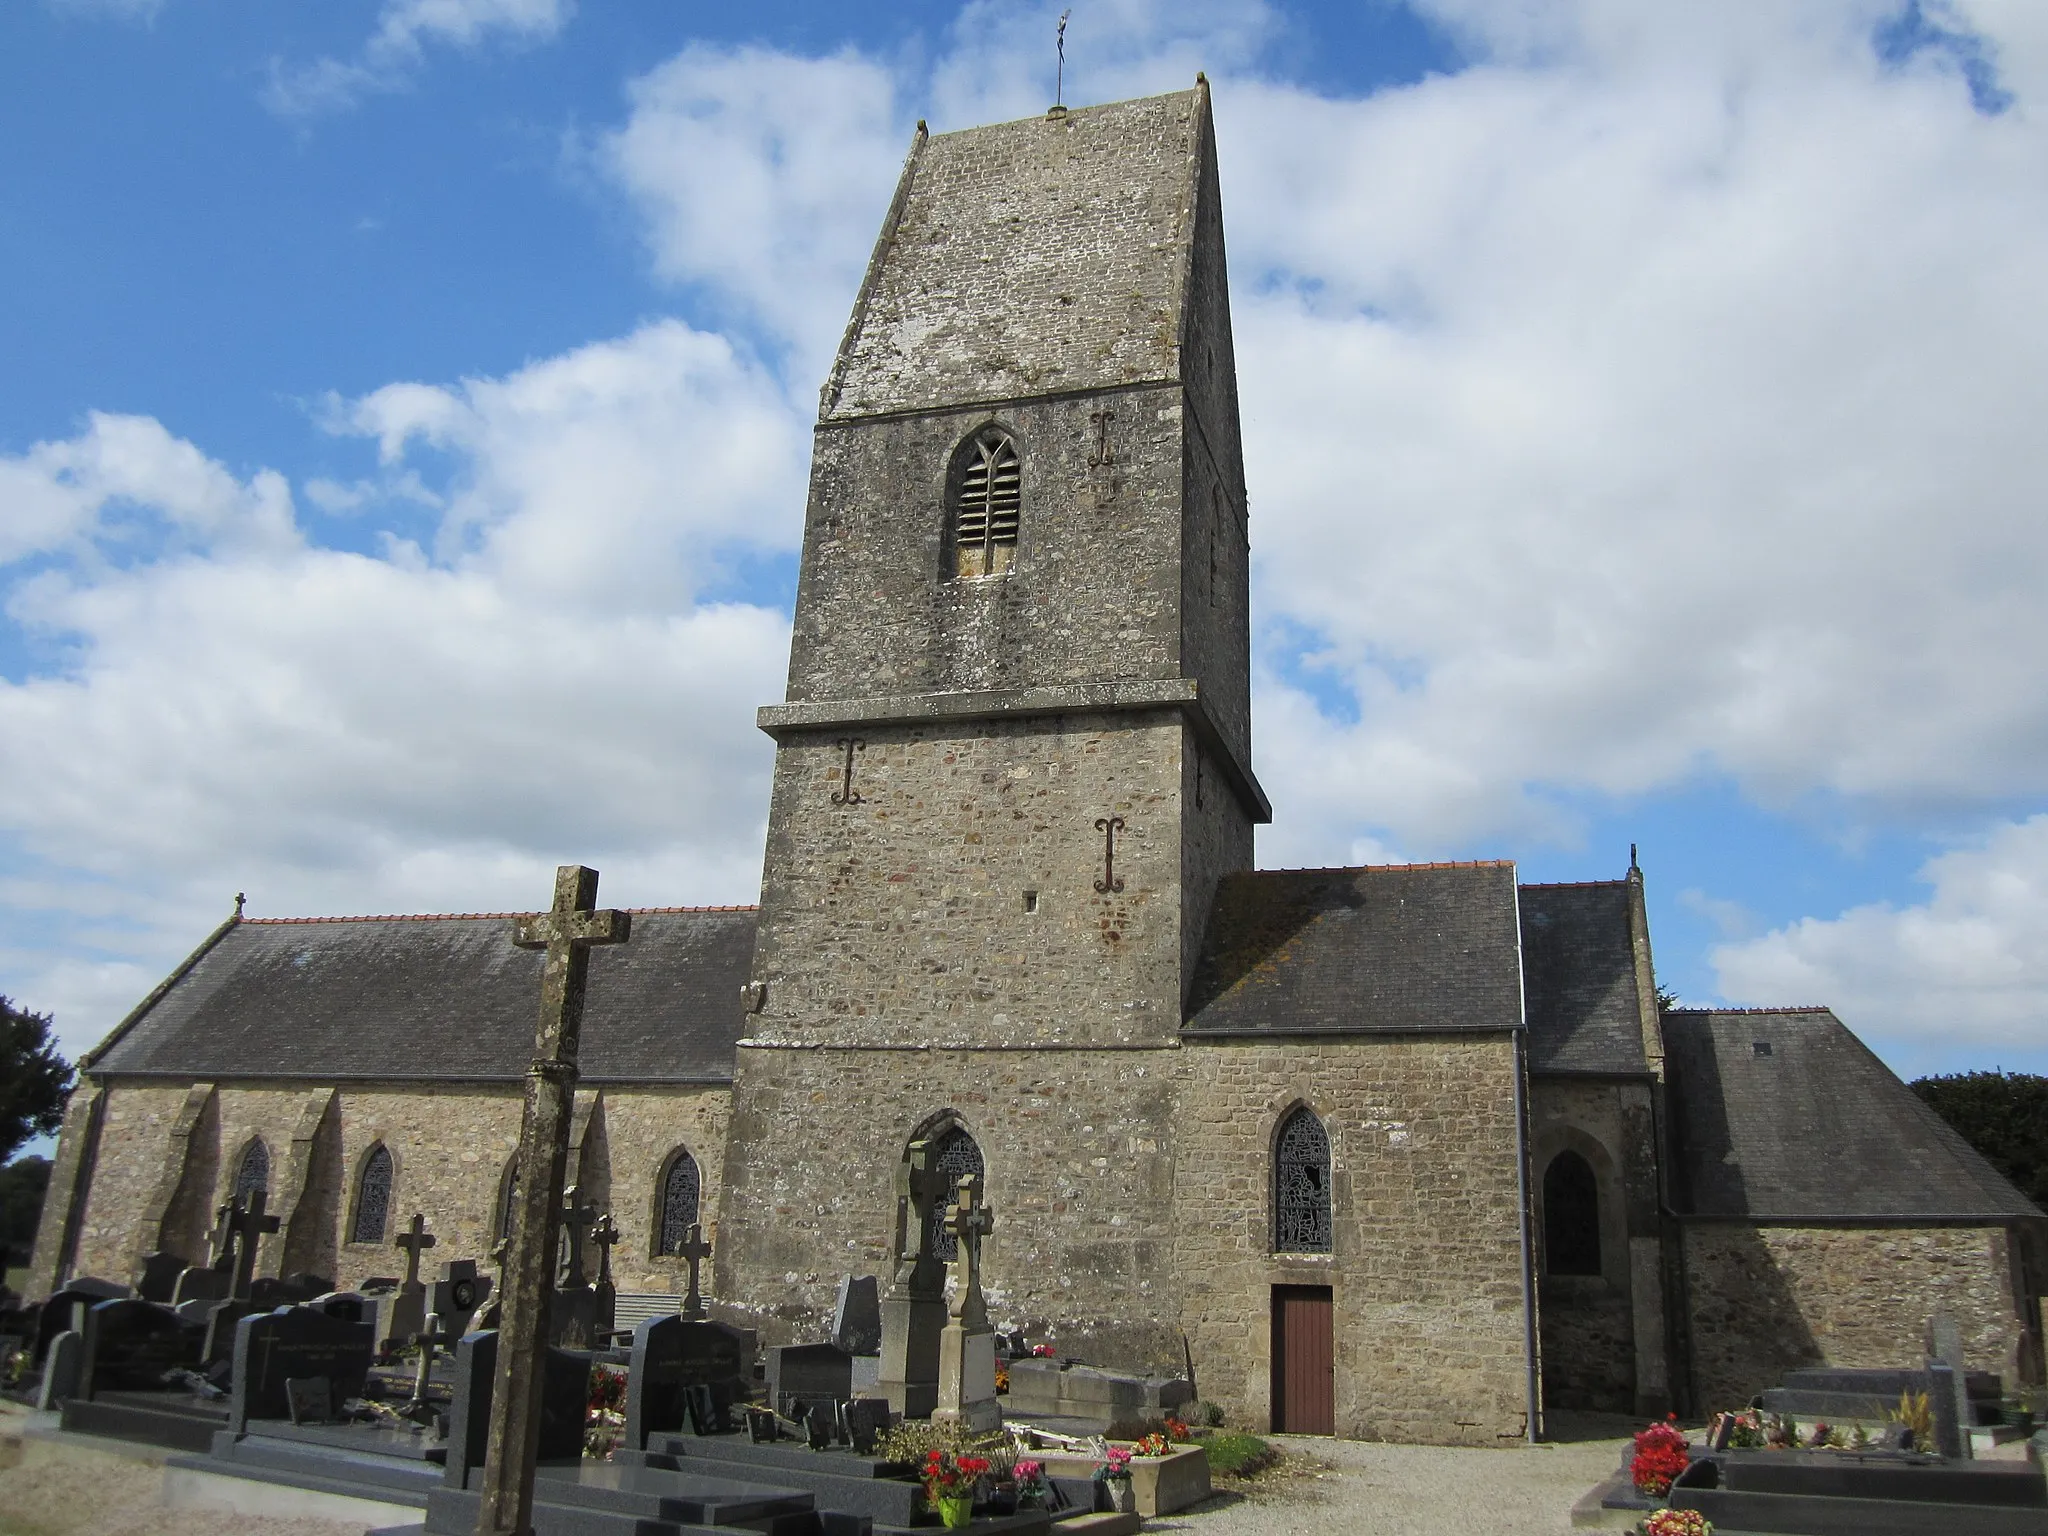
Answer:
[(1661, 1454)]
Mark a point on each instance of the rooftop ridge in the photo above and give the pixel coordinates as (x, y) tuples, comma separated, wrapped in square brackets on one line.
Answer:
[(1784, 1008), (457, 917), (1356, 869), (1569, 885)]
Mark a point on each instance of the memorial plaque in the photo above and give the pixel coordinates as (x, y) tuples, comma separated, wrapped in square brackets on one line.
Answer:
[(310, 1399)]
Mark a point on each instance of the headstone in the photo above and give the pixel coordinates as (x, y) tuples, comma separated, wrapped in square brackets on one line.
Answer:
[(564, 1381), (345, 1306), (604, 1294), (459, 1294), (65, 1310), (518, 1405), (305, 1285), (808, 1373), (131, 1344), (294, 1343), (62, 1363), (693, 1251), (864, 1419), (402, 1315), (914, 1311), (671, 1357), (247, 1225), (310, 1400), (857, 1316), (158, 1280), (1951, 1409), (1945, 1347), (967, 1347), (821, 1421)]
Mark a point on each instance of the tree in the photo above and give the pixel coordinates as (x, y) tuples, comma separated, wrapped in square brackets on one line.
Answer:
[(34, 1079), (22, 1183), (2004, 1115)]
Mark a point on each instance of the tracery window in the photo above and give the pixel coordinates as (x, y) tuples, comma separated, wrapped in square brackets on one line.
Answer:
[(373, 1197), (253, 1172), (956, 1156), (1301, 1185), (679, 1190), (987, 496), (1571, 1216)]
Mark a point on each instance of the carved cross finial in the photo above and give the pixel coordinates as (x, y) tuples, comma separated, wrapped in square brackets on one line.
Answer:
[(604, 1234), (693, 1250), (240, 897), (969, 1221), (415, 1241)]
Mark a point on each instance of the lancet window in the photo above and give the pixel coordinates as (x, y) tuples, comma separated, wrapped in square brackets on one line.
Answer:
[(1301, 1184), (680, 1184), (373, 1197), (253, 1172), (988, 487), (1571, 1216)]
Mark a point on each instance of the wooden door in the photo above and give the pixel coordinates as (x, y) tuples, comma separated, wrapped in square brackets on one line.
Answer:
[(1304, 1396)]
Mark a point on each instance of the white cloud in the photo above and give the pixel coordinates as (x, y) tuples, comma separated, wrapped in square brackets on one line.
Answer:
[(395, 49), (329, 731), (1965, 968)]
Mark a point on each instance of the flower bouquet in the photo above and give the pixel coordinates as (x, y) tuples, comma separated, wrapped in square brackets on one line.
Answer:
[(1154, 1444), (949, 1483), (1661, 1454), (1032, 1486), (1115, 1473), (1677, 1522)]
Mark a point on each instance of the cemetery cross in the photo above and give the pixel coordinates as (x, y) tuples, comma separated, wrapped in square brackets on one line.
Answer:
[(415, 1242), (248, 1224), (604, 1234), (969, 1221), (578, 1217), (694, 1251), (566, 932)]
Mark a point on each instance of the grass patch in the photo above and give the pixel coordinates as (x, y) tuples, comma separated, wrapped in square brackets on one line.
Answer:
[(1238, 1455)]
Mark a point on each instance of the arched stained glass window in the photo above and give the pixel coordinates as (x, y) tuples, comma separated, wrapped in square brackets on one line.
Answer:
[(956, 1156), (987, 497), (679, 1190), (1301, 1185), (253, 1172), (373, 1197), (1571, 1216)]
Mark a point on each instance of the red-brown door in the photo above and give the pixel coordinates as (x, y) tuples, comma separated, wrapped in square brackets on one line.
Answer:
[(1304, 1396)]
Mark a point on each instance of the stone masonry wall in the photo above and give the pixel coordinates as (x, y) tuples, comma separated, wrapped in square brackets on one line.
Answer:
[(1766, 1300), (903, 920), (450, 1150), (1079, 1157), (1426, 1271)]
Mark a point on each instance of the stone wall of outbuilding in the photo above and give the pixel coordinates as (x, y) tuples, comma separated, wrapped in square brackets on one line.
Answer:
[(1765, 1300), (1426, 1267)]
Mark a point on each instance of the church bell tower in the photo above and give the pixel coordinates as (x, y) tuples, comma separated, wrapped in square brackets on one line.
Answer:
[(1015, 757)]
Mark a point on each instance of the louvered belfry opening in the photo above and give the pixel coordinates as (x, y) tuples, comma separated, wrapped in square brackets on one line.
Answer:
[(986, 506)]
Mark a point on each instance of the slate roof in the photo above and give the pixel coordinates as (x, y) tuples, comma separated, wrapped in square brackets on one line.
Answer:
[(445, 998), (1817, 1128), (1028, 258), (1579, 971), (1392, 949)]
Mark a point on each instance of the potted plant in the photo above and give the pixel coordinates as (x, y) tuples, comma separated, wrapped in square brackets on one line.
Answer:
[(1115, 1476), (1677, 1522), (1032, 1487), (949, 1483), (1661, 1454)]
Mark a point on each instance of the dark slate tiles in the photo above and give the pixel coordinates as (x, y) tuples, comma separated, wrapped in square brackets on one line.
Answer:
[(1422, 947), (1578, 968), (442, 998), (1784, 1115)]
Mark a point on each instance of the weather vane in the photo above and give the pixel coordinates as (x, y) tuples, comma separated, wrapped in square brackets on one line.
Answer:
[(1059, 89)]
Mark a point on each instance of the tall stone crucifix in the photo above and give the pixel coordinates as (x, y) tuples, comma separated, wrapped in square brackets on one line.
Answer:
[(566, 932), (967, 1346)]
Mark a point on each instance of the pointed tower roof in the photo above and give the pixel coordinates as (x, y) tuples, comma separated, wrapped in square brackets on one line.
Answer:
[(1031, 258)]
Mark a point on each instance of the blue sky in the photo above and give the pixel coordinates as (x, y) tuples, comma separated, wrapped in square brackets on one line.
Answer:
[(1642, 416)]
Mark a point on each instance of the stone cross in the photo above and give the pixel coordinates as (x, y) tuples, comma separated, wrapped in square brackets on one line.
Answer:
[(969, 1221), (415, 1242), (222, 1239), (566, 932), (604, 1234), (694, 1251), (248, 1224), (920, 1185), (578, 1217), (430, 1340)]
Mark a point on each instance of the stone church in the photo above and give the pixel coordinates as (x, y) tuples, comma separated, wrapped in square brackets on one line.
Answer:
[(1405, 1153)]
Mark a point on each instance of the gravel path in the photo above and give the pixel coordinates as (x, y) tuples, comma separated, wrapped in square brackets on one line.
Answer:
[(1358, 1489)]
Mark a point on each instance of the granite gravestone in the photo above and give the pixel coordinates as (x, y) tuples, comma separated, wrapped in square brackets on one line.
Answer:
[(914, 1311), (967, 1347), (675, 1358), (564, 1380), (857, 1316), (808, 1373), (572, 1311), (158, 1277), (65, 1311), (62, 1363), (1945, 1347), (295, 1344), (347, 1306), (130, 1344), (459, 1295)]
